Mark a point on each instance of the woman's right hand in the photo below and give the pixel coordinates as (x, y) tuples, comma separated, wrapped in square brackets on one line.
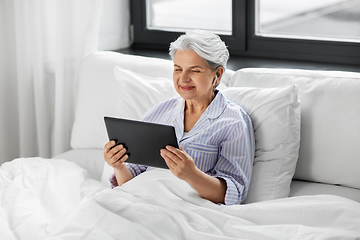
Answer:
[(115, 156)]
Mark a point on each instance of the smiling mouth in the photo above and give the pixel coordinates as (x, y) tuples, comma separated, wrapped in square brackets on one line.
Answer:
[(186, 88)]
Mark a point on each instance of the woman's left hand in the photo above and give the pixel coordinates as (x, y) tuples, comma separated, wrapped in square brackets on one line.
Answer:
[(179, 162), (183, 166)]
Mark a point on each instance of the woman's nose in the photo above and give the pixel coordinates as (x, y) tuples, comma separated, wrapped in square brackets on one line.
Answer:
[(184, 77)]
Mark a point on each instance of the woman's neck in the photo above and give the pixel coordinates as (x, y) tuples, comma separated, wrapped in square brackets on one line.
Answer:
[(193, 111), (198, 107)]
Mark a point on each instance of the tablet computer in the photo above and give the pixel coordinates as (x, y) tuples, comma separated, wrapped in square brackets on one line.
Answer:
[(142, 140)]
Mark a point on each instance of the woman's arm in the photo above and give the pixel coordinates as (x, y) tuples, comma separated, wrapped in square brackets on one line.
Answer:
[(182, 165), (210, 188), (123, 175)]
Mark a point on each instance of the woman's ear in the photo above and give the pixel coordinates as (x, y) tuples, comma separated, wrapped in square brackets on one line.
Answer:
[(219, 73)]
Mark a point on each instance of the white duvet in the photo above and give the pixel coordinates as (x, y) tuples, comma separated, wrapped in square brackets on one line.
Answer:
[(53, 199)]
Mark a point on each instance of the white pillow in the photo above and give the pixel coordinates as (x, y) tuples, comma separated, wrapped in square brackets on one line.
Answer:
[(99, 91), (138, 93), (275, 114), (330, 118)]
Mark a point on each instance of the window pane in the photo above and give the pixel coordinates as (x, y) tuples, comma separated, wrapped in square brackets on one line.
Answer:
[(337, 20), (183, 15)]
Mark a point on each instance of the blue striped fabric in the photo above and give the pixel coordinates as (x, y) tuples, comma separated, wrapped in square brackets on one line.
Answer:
[(221, 142)]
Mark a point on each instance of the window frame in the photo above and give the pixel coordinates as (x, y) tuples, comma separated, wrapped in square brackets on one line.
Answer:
[(245, 42)]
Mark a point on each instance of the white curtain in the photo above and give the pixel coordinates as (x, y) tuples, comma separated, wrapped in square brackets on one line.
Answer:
[(42, 44)]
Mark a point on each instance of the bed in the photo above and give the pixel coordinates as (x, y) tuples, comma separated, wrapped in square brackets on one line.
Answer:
[(295, 192)]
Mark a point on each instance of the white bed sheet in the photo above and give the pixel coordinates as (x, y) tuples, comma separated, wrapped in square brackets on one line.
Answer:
[(54, 199)]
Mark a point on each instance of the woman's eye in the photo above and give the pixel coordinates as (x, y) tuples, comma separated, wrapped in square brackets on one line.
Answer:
[(196, 71)]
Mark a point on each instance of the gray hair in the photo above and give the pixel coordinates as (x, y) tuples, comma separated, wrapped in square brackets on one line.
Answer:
[(206, 44)]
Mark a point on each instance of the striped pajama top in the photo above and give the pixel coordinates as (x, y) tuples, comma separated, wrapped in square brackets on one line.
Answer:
[(221, 142)]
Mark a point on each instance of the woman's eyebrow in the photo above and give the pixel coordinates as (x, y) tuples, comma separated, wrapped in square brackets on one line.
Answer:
[(175, 65)]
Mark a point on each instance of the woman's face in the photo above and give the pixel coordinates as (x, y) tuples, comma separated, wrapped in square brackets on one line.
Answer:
[(193, 78)]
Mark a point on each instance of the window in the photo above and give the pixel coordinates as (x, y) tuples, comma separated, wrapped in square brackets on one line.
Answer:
[(182, 15), (332, 20), (322, 30)]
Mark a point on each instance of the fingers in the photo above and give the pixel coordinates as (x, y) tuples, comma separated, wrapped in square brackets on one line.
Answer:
[(174, 156), (178, 152), (108, 146), (115, 155), (179, 162), (110, 149), (168, 157), (119, 162)]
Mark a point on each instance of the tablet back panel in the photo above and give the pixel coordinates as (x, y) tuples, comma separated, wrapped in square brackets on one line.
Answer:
[(142, 140)]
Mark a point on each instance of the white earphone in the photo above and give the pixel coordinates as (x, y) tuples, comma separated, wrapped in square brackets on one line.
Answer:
[(214, 83)]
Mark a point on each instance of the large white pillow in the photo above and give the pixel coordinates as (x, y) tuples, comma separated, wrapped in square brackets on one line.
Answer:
[(275, 114), (99, 91), (330, 120)]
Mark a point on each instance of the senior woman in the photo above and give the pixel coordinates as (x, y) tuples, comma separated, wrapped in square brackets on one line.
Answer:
[(215, 136)]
